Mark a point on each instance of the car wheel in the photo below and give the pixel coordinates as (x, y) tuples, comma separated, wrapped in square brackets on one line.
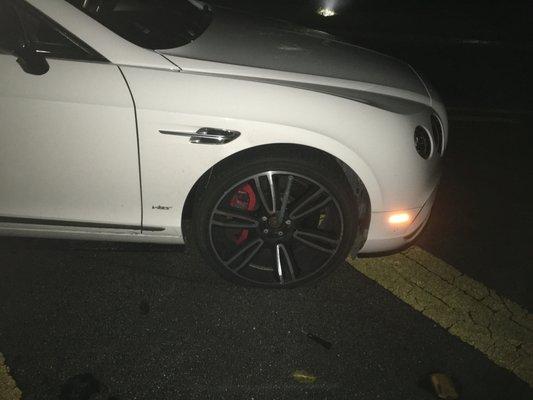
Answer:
[(275, 221)]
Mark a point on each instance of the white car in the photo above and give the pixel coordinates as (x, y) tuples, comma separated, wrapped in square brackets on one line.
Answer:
[(284, 147)]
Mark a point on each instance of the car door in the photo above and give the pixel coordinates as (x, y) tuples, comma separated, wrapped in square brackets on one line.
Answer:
[(68, 138)]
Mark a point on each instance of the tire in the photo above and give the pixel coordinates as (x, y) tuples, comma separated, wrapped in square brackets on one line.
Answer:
[(310, 233)]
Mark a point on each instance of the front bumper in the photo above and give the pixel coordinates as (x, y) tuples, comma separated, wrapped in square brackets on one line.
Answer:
[(383, 237)]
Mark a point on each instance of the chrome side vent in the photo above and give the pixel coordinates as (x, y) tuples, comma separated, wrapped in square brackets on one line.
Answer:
[(214, 136), (207, 135)]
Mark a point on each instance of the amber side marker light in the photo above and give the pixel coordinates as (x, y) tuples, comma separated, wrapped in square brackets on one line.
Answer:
[(400, 218)]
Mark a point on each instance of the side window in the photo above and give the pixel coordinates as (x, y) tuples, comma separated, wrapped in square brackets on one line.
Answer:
[(50, 39), (10, 30)]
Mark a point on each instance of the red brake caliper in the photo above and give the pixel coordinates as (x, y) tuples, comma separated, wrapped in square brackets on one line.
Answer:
[(243, 199)]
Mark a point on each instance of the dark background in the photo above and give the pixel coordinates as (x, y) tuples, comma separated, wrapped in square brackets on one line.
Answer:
[(479, 54)]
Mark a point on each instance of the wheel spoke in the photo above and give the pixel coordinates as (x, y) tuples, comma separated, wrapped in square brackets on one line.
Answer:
[(255, 246), (316, 240), (271, 188), (307, 206), (270, 177), (285, 199), (279, 268), (283, 257), (243, 221)]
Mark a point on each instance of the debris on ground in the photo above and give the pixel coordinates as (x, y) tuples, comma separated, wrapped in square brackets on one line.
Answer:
[(303, 376), (443, 386), (324, 343)]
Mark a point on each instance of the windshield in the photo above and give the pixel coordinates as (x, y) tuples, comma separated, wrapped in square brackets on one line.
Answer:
[(152, 24)]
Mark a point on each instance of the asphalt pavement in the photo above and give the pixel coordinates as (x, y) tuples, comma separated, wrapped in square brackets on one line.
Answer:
[(89, 320)]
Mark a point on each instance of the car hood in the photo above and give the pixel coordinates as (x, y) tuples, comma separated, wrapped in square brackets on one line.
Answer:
[(240, 39)]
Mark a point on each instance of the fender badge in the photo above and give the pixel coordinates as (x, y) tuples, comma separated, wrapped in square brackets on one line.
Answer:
[(161, 208)]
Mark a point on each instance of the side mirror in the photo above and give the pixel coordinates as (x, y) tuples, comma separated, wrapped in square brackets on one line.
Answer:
[(30, 60)]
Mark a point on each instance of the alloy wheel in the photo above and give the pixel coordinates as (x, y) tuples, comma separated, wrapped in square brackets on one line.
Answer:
[(276, 228)]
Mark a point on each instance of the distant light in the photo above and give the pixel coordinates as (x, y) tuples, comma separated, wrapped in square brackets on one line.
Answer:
[(400, 218), (326, 12)]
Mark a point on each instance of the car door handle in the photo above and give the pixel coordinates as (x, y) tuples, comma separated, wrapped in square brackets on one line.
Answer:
[(207, 135)]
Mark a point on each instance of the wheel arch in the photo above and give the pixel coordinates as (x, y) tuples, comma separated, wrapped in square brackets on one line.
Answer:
[(362, 197)]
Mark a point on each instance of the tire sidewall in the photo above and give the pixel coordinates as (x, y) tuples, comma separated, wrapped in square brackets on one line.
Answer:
[(224, 179)]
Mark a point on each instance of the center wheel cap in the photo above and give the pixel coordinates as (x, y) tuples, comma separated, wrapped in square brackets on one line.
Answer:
[(274, 222)]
